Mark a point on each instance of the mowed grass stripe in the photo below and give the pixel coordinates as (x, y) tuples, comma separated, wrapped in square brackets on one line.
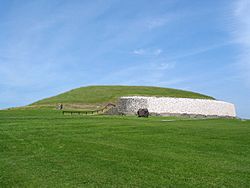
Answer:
[(100, 151)]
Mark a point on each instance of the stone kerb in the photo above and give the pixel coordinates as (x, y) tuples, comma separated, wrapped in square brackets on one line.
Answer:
[(130, 105), (167, 105)]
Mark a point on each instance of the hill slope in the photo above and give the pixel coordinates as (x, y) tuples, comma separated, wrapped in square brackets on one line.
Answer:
[(98, 95)]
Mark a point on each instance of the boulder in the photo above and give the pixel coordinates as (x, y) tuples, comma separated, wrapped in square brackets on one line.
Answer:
[(143, 112)]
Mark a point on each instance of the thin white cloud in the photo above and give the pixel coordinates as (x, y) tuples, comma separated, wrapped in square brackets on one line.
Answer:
[(139, 52), (148, 52), (149, 73), (157, 52), (242, 35), (201, 50), (165, 66), (243, 18)]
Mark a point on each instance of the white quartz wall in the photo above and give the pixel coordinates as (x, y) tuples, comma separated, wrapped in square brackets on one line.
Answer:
[(166, 105), (131, 105)]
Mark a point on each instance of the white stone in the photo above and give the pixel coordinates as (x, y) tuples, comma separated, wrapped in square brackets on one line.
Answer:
[(167, 105)]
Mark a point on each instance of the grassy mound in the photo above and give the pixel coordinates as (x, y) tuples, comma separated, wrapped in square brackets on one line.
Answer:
[(95, 95)]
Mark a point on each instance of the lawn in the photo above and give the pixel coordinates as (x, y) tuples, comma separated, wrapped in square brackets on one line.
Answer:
[(43, 148)]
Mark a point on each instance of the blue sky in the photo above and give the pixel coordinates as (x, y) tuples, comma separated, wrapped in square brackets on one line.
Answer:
[(51, 46)]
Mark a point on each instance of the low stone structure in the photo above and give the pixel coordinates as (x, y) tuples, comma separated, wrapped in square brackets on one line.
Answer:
[(176, 106)]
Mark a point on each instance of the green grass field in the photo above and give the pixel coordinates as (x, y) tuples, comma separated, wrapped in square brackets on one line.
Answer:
[(98, 95), (43, 148)]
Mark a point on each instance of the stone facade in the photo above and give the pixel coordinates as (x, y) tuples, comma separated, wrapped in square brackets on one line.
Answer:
[(168, 106)]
